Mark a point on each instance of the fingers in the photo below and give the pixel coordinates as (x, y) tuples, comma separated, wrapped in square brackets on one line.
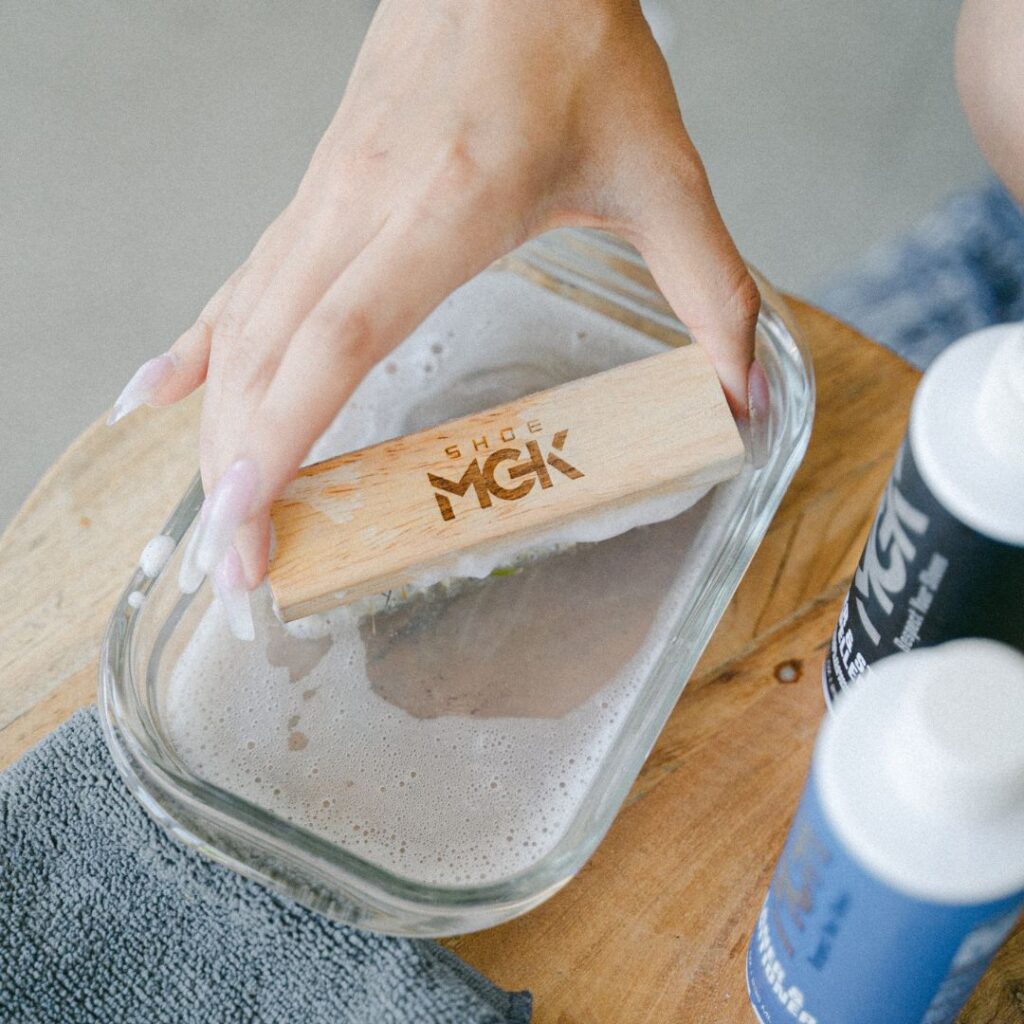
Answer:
[(248, 337), (230, 586), (191, 352), (686, 245), (360, 317), (175, 374), (250, 342), (254, 545)]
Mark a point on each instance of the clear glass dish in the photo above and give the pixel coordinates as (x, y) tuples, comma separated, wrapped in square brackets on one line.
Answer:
[(606, 637)]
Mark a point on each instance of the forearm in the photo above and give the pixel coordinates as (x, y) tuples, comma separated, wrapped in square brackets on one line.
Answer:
[(990, 77)]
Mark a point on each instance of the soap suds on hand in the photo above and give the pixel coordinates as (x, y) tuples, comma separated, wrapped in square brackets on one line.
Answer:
[(155, 554)]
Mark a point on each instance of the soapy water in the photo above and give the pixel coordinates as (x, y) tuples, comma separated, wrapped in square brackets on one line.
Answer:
[(451, 737)]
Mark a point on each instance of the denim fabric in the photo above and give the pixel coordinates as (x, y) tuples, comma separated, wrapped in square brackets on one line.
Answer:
[(960, 269)]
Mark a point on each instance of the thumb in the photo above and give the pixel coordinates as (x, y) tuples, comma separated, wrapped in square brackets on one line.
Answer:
[(695, 263)]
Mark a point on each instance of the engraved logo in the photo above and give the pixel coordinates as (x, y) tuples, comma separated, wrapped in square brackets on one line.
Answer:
[(523, 469)]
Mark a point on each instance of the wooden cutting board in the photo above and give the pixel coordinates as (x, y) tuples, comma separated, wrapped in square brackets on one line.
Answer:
[(655, 927)]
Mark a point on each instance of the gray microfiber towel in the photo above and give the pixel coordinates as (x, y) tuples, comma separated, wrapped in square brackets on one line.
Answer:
[(105, 919)]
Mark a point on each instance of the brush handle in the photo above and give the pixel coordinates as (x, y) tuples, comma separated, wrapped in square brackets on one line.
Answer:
[(374, 519)]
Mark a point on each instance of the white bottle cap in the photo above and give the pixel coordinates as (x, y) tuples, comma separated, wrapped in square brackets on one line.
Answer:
[(956, 743), (921, 771), (1000, 407), (967, 431)]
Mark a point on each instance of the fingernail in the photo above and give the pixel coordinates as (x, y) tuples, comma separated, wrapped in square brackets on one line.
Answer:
[(150, 376), (224, 511), (229, 586), (189, 575), (759, 407)]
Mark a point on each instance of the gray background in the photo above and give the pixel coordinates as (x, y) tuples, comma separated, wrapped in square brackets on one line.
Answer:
[(143, 147)]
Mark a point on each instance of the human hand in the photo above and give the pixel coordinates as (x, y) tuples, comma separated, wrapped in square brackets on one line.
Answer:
[(990, 78), (468, 126)]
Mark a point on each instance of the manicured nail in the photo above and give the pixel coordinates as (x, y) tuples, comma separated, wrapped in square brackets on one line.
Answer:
[(229, 586), (759, 407), (150, 376), (189, 575), (224, 511)]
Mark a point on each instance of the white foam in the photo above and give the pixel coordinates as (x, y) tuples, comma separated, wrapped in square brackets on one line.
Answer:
[(470, 772), (592, 528), (155, 554)]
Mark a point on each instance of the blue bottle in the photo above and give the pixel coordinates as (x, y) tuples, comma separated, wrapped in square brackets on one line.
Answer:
[(904, 868)]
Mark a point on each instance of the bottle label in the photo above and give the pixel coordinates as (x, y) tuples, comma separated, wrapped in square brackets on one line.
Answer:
[(833, 943), (924, 578)]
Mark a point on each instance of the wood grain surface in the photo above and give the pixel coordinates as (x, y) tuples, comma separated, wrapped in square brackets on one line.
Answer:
[(654, 928)]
